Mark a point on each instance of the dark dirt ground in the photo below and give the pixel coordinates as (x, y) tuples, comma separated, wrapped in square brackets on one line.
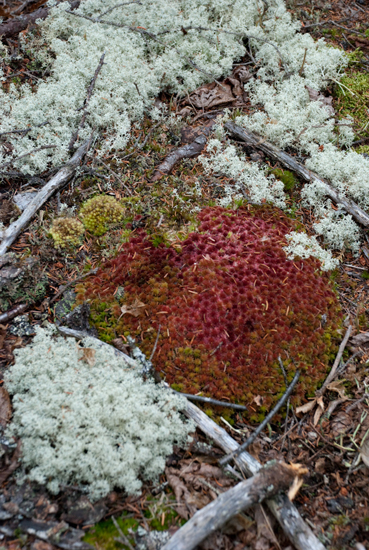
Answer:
[(334, 499)]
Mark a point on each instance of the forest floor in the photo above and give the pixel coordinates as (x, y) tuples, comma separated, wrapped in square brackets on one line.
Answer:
[(334, 499)]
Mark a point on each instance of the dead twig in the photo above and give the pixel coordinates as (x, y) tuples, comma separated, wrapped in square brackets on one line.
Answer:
[(210, 401), (223, 461), (56, 182), (331, 376), (122, 537), (245, 135), (116, 177), (265, 484), (76, 280), (300, 535), (156, 343), (86, 102), (14, 26), (26, 155), (13, 312), (186, 151)]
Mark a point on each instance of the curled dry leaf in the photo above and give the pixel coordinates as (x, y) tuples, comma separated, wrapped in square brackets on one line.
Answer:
[(135, 309), (337, 386), (88, 355)]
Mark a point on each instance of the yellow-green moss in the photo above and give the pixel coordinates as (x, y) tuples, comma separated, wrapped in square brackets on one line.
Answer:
[(101, 212), (66, 232)]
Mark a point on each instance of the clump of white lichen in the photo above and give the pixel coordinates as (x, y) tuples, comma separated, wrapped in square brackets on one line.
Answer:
[(84, 417)]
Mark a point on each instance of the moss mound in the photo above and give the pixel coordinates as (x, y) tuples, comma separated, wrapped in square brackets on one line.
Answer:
[(228, 304)]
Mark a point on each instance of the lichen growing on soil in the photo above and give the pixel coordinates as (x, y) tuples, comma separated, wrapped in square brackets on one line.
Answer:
[(228, 304)]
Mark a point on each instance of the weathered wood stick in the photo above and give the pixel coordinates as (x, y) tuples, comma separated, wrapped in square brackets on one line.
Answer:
[(56, 182), (186, 151), (281, 507), (14, 26), (271, 479), (243, 134)]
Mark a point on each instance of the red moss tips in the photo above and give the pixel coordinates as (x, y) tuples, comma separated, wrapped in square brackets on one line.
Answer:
[(228, 303)]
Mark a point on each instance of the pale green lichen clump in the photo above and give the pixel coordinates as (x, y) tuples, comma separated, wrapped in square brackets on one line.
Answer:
[(101, 212), (66, 232), (84, 417)]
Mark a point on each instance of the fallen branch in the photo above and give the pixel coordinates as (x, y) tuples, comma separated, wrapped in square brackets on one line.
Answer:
[(13, 312), (215, 402), (265, 484), (281, 507), (67, 285), (56, 182), (266, 420), (187, 151), (290, 162), (14, 26), (86, 102)]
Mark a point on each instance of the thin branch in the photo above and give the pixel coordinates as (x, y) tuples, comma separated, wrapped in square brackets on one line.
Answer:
[(13, 312), (25, 131), (332, 373), (27, 154), (86, 102), (122, 537), (223, 461), (156, 343), (287, 515), (118, 6), (201, 399), (56, 182), (116, 176), (245, 135), (76, 280), (266, 483)]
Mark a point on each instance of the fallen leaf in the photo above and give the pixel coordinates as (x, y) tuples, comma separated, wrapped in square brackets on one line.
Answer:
[(314, 95), (88, 355), (258, 400), (135, 309), (307, 407), (5, 407), (337, 387)]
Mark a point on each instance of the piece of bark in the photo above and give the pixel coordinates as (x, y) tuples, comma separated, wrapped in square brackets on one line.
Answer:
[(281, 507), (243, 134), (186, 151), (14, 26), (56, 182), (265, 484)]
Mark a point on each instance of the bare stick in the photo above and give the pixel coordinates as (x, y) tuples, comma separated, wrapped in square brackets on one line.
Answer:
[(265, 484), (76, 280), (14, 312), (122, 538), (14, 26), (25, 131), (80, 334), (186, 151), (296, 530), (116, 177), (332, 373), (27, 154), (201, 399), (56, 182), (86, 102), (156, 343), (287, 160), (223, 461)]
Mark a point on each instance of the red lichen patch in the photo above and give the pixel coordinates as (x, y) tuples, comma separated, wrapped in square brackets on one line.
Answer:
[(228, 303)]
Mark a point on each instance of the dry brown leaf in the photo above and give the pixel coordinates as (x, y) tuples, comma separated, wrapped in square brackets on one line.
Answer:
[(88, 355), (307, 407), (336, 386), (258, 400), (320, 410), (360, 339), (5, 407), (135, 309), (314, 95)]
